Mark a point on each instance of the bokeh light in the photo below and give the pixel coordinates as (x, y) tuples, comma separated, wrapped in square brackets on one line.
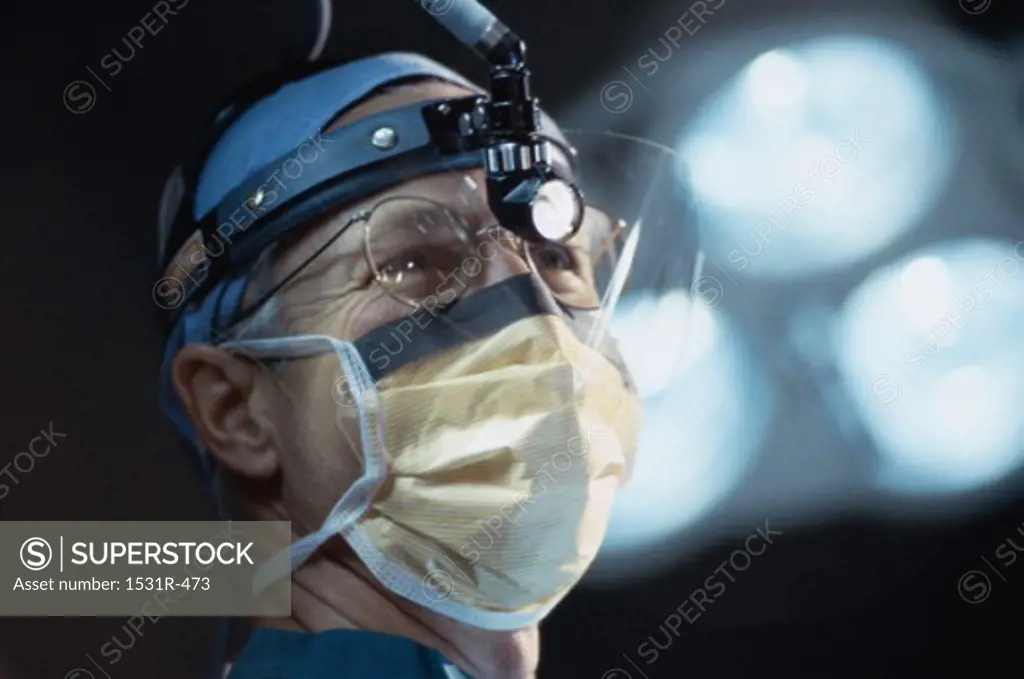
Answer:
[(816, 156), (704, 415), (930, 350)]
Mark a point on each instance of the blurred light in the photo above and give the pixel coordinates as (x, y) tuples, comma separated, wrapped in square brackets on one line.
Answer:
[(703, 419), (927, 291), (653, 338), (776, 83), (932, 351), (816, 156)]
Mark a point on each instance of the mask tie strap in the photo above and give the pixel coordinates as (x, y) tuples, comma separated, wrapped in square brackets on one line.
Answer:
[(355, 500)]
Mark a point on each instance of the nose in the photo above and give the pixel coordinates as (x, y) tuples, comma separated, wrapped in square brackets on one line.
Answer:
[(503, 265), (497, 258)]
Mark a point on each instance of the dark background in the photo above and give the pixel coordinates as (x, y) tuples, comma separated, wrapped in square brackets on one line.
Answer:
[(848, 598)]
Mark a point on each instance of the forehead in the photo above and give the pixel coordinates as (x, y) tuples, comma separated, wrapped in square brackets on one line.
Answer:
[(298, 248), (463, 192)]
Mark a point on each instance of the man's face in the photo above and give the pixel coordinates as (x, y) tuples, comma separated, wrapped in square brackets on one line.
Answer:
[(339, 293), (310, 433)]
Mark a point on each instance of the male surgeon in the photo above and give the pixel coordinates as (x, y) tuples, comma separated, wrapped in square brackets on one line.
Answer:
[(432, 400)]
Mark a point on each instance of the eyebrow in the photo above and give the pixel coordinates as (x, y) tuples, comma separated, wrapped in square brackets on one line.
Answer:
[(325, 254), (438, 222), (325, 258), (597, 226), (428, 212)]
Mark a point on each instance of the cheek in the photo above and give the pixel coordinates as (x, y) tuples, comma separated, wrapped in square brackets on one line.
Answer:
[(373, 308), (321, 456), (355, 315)]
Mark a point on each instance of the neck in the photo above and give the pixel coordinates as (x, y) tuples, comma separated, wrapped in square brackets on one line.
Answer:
[(334, 591)]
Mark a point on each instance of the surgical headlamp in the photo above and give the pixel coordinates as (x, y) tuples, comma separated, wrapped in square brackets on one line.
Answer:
[(531, 195), (531, 187)]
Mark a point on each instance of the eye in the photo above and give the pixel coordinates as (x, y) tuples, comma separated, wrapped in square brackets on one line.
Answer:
[(411, 263), (553, 256)]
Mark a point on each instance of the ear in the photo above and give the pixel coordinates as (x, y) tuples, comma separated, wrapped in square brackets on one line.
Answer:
[(228, 404)]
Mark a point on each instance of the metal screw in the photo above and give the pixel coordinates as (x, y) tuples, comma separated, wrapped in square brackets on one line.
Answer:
[(256, 199), (384, 138), (479, 117)]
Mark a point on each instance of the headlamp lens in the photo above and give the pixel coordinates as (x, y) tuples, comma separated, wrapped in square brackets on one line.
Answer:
[(556, 210)]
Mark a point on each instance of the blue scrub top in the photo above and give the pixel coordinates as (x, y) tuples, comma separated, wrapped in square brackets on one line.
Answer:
[(338, 654)]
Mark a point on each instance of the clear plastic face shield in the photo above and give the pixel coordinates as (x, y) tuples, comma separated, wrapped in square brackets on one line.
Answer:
[(463, 387)]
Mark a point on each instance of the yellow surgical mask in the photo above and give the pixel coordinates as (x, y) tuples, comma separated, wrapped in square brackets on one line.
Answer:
[(489, 469)]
